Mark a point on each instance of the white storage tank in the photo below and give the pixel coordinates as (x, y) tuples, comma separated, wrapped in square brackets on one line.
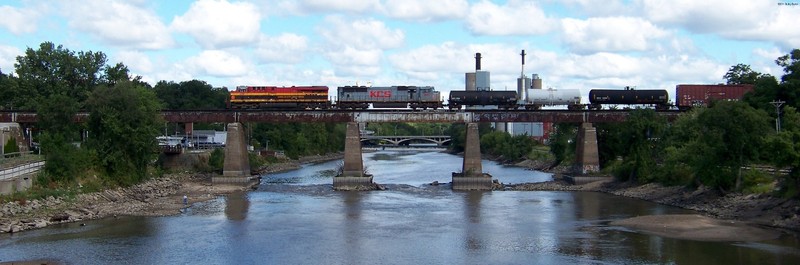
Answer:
[(538, 98)]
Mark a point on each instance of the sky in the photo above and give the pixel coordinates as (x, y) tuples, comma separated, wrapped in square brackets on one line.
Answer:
[(570, 44)]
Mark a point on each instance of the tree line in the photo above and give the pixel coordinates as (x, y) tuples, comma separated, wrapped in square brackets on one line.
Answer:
[(726, 145), (117, 145)]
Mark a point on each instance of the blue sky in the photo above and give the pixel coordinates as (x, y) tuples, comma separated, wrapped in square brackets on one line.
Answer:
[(571, 44)]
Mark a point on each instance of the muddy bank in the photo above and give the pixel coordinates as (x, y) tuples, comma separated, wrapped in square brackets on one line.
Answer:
[(696, 227)]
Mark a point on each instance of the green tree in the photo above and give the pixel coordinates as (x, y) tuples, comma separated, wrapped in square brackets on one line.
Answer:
[(720, 140), (10, 146), (53, 69), (741, 74), (562, 142), (123, 124), (193, 94), (784, 151), (638, 142)]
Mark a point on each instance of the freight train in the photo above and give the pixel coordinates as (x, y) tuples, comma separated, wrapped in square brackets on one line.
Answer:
[(424, 97)]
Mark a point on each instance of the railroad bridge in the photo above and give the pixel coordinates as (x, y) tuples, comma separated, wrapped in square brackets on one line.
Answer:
[(237, 168)]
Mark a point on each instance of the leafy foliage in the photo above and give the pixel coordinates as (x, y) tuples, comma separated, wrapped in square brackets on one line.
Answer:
[(562, 143), (511, 148), (123, 124), (299, 139), (194, 94), (10, 146)]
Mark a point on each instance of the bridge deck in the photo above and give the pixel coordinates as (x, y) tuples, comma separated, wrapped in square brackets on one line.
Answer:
[(440, 116)]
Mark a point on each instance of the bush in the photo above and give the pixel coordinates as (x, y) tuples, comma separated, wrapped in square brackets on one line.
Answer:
[(10, 146)]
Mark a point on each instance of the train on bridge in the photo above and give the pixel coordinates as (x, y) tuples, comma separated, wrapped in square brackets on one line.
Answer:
[(425, 97)]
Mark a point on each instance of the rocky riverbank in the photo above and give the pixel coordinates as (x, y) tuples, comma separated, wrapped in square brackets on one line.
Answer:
[(760, 209), (156, 197)]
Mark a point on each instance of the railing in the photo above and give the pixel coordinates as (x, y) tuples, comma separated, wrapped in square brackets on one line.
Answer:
[(21, 170)]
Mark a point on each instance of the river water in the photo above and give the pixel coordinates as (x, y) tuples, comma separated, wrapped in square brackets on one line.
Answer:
[(296, 218)]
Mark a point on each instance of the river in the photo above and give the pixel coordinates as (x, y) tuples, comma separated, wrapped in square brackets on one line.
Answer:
[(296, 218)]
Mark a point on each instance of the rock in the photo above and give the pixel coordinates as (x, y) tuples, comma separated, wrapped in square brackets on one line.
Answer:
[(39, 224), (435, 183)]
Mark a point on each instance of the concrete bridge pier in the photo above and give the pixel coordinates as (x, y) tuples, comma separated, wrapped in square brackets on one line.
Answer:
[(236, 168), (588, 158), (471, 176), (352, 175)]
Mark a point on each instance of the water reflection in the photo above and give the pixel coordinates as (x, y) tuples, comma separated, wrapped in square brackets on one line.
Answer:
[(472, 212), (236, 206)]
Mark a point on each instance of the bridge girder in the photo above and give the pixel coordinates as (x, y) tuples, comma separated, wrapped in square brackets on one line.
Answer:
[(228, 116)]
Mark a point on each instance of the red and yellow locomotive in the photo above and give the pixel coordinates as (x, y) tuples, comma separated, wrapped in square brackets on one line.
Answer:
[(296, 97)]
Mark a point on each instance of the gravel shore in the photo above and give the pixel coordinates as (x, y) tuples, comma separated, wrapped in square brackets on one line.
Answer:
[(156, 197)]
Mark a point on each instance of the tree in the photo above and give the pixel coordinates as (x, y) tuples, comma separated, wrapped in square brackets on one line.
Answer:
[(123, 124), (53, 69), (741, 74), (562, 141), (638, 142), (720, 140), (784, 151), (193, 94)]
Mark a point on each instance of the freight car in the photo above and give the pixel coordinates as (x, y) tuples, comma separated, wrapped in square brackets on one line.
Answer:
[(299, 97), (501, 99), (689, 96), (536, 98), (361, 97), (629, 96)]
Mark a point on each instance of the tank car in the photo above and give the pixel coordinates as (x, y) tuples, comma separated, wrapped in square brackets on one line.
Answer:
[(629, 96), (537, 98), (361, 97), (688, 96), (501, 99), (299, 97)]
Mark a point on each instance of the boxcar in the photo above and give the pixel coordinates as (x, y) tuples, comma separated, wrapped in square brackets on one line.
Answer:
[(301, 97), (629, 96), (700, 95), (536, 98), (501, 99), (361, 97)]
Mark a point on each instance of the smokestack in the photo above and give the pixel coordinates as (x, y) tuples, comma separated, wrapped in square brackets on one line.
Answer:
[(477, 61), (522, 73)]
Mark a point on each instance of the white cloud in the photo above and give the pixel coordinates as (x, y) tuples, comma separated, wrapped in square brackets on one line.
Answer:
[(356, 47), (356, 62), (286, 48), (516, 17), (426, 10), (138, 62), (19, 20), (118, 23), (598, 8), (610, 34), (364, 33), (352, 6), (8, 56), (218, 23), (733, 19), (216, 63)]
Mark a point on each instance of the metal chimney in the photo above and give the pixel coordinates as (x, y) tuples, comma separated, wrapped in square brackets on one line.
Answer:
[(477, 61)]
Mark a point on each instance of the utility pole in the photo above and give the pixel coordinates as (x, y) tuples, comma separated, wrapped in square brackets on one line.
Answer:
[(778, 104)]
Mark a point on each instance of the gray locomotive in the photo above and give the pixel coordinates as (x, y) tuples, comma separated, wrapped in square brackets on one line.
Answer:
[(414, 97)]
